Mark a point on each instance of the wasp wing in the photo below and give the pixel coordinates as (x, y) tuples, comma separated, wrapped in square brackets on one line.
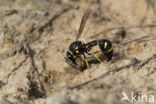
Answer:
[(82, 24)]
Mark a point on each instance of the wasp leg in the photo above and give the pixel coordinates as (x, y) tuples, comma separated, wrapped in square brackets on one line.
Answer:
[(85, 59), (95, 57), (87, 63), (82, 63)]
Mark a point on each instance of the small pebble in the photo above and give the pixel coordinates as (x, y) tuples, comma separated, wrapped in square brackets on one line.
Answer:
[(134, 61)]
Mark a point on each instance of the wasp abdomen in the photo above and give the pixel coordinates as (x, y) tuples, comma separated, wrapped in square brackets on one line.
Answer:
[(106, 47)]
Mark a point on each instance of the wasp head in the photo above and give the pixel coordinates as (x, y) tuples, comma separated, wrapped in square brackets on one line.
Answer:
[(70, 57)]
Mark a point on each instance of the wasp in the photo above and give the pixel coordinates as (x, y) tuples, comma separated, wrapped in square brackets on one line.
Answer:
[(77, 49)]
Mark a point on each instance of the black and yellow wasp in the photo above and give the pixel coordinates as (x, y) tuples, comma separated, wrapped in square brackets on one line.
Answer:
[(78, 48)]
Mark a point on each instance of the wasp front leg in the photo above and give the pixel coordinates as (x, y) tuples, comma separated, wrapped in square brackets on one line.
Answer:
[(71, 63), (86, 61), (83, 63)]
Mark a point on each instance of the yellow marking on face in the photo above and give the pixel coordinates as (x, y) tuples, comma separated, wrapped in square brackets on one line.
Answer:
[(109, 50), (77, 51), (105, 45), (77, 47), (70, 52)]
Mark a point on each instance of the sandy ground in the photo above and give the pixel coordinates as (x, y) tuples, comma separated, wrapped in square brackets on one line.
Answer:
[(35, 35)]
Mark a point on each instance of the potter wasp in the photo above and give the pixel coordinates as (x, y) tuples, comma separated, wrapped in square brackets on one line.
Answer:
[(77, 49)]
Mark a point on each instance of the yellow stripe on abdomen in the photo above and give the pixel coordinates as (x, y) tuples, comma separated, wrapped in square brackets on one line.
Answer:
[(108, 50), (105, 45)]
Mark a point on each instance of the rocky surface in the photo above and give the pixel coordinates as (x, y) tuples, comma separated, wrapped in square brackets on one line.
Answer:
[(35, 35)]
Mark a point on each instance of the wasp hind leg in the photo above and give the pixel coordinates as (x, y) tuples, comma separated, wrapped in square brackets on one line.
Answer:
[(98, 59)]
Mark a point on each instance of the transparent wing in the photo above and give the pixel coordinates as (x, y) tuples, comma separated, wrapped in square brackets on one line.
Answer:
[(82, 24)]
